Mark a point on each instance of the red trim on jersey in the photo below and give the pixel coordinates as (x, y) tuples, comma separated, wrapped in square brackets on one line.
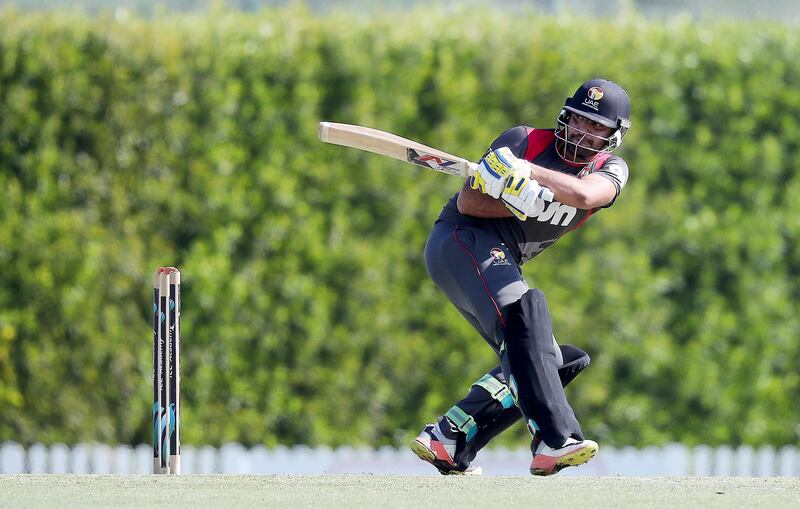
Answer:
[(583, 220), (600, 159), (538, 140), (480, 276)]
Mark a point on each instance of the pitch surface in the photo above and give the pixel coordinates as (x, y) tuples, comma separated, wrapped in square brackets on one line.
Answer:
[(384, 492)]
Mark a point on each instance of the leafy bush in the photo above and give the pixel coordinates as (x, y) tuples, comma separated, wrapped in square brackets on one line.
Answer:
[(308, 316)]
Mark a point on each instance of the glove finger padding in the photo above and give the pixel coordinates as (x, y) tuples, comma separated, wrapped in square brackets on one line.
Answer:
[(478, 183), (511, 196), (524, 197), (494, 169), (500, 162)]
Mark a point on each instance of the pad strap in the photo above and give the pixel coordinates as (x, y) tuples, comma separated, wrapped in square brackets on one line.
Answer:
[(463, 421), (497, 389)]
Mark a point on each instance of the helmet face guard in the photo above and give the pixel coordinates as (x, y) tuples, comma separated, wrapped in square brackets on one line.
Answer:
[(600, 101), (575, 150)]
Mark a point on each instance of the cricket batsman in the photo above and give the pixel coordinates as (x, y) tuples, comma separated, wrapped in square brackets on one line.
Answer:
[(532, 186)]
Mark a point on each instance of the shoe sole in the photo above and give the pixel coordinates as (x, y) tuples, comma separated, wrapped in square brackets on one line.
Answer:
[(572, 459), (424, 453)]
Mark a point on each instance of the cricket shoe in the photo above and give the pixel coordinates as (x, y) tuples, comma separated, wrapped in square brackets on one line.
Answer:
[(434, 447), (549, 461)]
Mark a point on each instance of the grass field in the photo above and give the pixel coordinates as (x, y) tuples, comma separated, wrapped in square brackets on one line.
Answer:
[(346, 491)]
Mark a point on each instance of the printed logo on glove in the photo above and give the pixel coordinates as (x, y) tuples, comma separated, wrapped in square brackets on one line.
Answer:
[(524, 197)]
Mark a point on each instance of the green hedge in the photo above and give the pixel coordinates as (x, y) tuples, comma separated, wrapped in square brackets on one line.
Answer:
[(308, 316)]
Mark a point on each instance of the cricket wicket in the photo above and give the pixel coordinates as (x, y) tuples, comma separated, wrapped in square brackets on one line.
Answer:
[(166, 370)]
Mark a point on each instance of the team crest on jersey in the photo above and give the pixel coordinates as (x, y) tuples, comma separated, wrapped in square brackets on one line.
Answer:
[(498, 257)]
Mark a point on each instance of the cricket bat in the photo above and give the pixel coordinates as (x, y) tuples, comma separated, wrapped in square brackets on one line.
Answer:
[(391, 145)]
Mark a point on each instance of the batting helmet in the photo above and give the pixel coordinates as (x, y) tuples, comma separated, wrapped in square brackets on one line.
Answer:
[(601, 101)]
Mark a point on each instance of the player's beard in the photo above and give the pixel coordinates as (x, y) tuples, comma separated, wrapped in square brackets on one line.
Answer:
[(576, 153)]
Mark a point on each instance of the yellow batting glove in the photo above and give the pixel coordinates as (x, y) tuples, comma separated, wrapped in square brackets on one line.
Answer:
[(493, 170), (511, 196), (520, 215), (478, 183), (500, 161), (524, 197)]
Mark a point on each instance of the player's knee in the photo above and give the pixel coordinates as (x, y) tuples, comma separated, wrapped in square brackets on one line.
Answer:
[(528, 323), (574, 356), (575, 361), (536, 293)]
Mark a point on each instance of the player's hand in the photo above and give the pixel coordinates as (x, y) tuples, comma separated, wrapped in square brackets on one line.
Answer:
[(494, 169), (524, 197)]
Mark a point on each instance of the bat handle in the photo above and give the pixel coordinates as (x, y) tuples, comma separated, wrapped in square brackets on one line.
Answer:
[(471, 168)]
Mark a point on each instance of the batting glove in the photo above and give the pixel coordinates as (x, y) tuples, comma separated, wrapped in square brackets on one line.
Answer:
[(524, 197), (495, 169)]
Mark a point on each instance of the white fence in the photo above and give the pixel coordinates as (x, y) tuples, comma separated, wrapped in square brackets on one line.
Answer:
[(671, 460)]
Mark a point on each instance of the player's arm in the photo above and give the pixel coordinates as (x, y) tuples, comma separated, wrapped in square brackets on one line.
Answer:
[(588, 192), (472, 202)]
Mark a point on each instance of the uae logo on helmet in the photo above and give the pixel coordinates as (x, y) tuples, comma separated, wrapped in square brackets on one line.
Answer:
[(595, 93)]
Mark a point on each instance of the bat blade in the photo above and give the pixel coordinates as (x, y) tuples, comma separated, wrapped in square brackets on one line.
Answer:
[(397, 147)]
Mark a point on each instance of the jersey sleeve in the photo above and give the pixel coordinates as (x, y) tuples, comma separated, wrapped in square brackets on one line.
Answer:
[(516, 139), (616, 170)]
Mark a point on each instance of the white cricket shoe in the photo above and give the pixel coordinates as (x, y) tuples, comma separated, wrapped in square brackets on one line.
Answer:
[(434, 447), (549, 461)]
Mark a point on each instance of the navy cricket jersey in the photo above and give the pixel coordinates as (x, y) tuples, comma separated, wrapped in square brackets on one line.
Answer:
[(526, 239)]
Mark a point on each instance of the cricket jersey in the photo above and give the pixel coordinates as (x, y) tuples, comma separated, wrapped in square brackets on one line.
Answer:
[(526, 239)]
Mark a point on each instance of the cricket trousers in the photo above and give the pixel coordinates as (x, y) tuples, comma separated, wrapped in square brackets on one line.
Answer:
[(479, 276)]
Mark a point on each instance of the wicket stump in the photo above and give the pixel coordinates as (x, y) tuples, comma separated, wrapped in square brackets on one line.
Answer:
[(166, 370)]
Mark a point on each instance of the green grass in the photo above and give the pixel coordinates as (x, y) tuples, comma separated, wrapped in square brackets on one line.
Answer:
[(383, 492)]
